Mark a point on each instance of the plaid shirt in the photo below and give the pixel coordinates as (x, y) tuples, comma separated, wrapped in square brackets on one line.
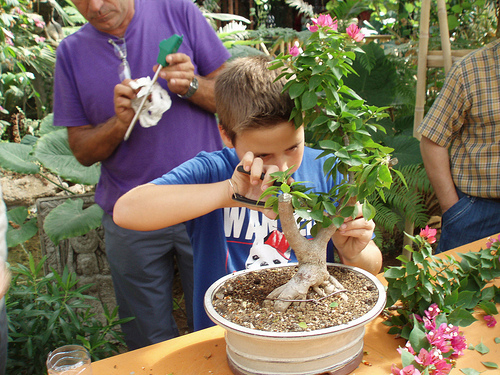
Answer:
[(466, 115)]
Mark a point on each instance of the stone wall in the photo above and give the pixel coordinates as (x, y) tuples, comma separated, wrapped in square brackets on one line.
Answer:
[(84, 255)]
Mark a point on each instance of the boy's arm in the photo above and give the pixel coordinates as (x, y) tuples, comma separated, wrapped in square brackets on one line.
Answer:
[(150, 207)]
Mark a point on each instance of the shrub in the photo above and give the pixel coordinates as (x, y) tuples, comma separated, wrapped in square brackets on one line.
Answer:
[(48, 311)]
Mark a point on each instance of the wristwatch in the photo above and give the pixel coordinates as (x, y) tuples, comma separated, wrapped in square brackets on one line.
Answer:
[(193, 86)]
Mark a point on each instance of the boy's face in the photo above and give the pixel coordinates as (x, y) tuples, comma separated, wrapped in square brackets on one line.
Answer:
[(281, 145)]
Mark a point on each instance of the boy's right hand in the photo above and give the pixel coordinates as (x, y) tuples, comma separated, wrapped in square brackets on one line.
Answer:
[(251, 185)]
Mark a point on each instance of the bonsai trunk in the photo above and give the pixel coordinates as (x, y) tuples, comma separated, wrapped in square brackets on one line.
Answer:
[(311, 255)]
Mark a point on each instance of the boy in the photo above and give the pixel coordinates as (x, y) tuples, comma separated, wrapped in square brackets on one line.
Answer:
[(255, 127)]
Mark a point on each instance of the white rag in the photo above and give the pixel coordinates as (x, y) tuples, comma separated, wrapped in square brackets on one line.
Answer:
[(155, 106)]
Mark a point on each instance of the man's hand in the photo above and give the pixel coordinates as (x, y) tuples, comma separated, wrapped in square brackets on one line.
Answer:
[(123, 103), (178, 73)]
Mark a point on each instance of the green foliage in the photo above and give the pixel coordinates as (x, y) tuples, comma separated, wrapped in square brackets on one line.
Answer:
[(45, 312), (71, 220), (405, 200), (52, 152), (21, 227), (23, 53), (340, 122), (457, 287)]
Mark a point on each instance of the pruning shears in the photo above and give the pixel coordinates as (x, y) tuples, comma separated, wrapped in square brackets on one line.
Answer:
[(167, 46), (242, 199)]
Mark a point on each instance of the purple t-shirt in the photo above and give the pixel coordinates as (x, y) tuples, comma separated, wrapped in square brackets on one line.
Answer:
[(87, 72)]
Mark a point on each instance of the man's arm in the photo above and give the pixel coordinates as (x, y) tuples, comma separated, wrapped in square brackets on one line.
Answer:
[(437, 165), (91, 144)]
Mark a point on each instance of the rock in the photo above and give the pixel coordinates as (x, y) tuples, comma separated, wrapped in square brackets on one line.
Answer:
[(24, 190)]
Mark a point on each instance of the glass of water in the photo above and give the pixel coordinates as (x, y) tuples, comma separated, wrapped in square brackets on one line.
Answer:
[(69, 360)]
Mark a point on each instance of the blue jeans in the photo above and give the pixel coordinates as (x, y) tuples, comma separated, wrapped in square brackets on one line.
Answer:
[(142, 267), (468, 220)]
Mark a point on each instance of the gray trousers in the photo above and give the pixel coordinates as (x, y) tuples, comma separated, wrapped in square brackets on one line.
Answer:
[(142, 268)]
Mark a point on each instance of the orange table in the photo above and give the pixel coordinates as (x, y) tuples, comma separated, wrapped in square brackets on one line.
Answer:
[(203, 352)]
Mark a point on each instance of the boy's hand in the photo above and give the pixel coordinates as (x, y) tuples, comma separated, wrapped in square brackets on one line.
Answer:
[(353, 236), (251, 185)]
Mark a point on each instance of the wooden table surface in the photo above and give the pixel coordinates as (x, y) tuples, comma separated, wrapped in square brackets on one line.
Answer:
[(203, 352)]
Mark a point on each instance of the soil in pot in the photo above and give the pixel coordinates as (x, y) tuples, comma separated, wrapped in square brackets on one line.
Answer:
[(241, 301)]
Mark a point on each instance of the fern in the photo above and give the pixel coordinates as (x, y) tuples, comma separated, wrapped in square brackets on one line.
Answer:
[(302, 7), (402, 203)]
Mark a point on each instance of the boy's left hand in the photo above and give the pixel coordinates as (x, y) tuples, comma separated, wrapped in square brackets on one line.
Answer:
[(354, 235)]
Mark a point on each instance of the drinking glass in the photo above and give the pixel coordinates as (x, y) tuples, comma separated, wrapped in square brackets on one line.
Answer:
[(69, 360)]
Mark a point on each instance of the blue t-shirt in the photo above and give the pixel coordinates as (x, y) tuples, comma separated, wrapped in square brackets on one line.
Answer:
[(87, 72), (229, 239)]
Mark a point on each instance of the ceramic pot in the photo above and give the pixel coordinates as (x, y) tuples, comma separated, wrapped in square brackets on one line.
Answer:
[(336, 350)]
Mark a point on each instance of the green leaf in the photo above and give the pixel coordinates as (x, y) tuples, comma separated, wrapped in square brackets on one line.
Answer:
[(296, 89), (302, 325), (16, 157), (70, 220), (368, 210), (481, 348), (21, 231), (490, 364), (418, 339), (469, 371), (54, 153), (309, 100)]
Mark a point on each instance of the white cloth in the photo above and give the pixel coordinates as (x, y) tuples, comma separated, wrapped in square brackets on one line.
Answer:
[(155, 105)]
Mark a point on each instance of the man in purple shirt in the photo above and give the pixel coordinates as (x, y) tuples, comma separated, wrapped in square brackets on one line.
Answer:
[(121, 42)]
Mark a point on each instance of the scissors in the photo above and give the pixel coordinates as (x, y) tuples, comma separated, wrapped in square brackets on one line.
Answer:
[(242, 199), (167, 46)]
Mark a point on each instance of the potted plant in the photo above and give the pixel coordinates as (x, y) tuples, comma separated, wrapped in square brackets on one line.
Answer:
[(341, 123)]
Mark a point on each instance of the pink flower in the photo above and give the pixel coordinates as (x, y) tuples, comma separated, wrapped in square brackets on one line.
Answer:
[(354, 33), (424, 358), (323, 20), (491, 241), (408, 370), (433, 309), (428, 234), (18, 11), (39, 39), (490, 321), (295, 50), (39, 23), (9, 41)]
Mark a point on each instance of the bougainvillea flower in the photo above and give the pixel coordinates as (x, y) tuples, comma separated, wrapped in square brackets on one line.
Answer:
[(428, 234), (408, 370), (323, 20), (424, 358), (295, 50), (354, 33), (491, 241), (490, 321), (433, 309), (39, 39)]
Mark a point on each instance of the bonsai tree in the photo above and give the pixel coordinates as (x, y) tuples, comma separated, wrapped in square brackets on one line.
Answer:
[(340, 122)]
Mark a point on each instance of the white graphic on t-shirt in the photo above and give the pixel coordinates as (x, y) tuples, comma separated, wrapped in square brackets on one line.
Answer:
[(274, 250)]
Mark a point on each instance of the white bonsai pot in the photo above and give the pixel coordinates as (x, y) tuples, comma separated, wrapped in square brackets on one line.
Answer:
[(337, 350)]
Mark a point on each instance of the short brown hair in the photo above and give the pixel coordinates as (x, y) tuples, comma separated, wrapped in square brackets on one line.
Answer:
[(248, 96)]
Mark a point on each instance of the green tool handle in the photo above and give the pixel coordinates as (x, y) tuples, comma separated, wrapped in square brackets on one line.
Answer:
[(168, 46)]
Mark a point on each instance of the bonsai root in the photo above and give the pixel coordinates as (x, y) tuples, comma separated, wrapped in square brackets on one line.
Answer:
[(295, 290)]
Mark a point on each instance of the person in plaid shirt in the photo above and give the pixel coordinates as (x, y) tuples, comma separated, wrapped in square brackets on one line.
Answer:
[(460, 147)]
